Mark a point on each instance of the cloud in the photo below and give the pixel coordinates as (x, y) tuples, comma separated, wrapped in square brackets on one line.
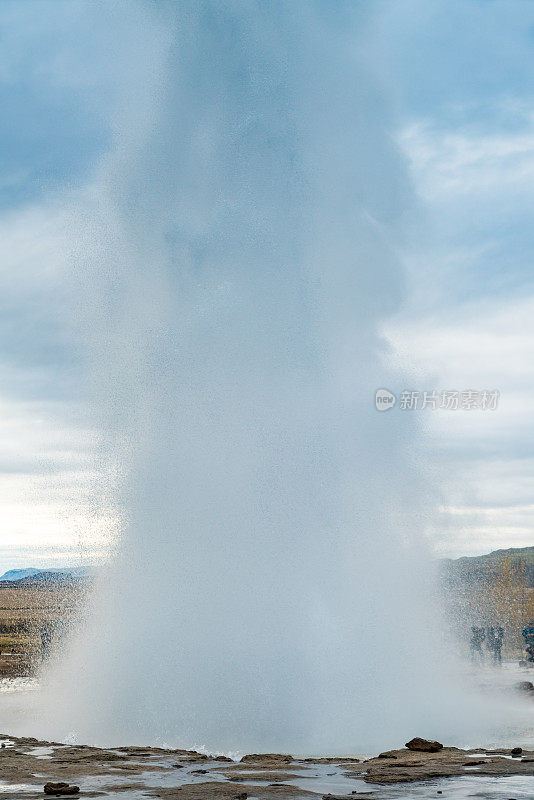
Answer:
[(482, 458), (467, 324), (50, 478), (66, 86), (457, 164)]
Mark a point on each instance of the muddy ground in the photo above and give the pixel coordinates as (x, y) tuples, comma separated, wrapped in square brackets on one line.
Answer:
[(142, 772)]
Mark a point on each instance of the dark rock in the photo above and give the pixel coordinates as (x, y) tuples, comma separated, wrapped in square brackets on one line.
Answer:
[(386, 755), (516, 751), (337, 797), (198, 771), (242, 796), (60, 788), (525, 686), (267, 757), (330, 760), (423, 745)]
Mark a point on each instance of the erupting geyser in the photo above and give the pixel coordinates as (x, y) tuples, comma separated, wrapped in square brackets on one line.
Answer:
[(236, 257)]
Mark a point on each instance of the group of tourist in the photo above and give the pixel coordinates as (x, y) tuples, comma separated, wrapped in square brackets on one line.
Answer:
[(493, 636), (528, 635)]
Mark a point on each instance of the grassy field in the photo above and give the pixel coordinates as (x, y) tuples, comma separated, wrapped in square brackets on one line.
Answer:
[(25, 612)]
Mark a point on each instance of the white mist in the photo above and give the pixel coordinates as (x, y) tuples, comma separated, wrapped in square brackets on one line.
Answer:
[(236, 255)]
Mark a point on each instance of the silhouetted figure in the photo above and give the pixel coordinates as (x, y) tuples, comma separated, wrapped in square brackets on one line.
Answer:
[(528, 635), (477, 637), (499, 638), (494, 639), (490, 640), (46, 641)]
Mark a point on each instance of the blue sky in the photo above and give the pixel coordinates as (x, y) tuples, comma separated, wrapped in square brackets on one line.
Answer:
[(460, 78)]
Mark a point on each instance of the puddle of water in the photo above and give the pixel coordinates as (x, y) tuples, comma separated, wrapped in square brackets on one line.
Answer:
[(320, 782), (11, 788), (319, 778), (41, 752), (7, 743), (169, 777), (519, 787), (8, 685)]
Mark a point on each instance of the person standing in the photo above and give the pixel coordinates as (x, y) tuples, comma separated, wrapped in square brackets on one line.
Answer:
[(46, 641), (497, 644), (490, 641), (477, 637)]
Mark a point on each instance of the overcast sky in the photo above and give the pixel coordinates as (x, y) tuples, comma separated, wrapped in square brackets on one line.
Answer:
[(464, 73), (460, 77)]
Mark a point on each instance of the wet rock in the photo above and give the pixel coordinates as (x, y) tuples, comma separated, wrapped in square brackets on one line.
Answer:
[(424, 745), (60, 788), (447, 762), (198, 771), (188, 755), (267, 757), (74, 764), (269, 776), (516, 751), (525, 686), (330, 760), (227, 791), (337, 797)]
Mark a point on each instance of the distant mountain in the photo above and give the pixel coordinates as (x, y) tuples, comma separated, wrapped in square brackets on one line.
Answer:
[(476, 569), (18, 574), (39, 577)]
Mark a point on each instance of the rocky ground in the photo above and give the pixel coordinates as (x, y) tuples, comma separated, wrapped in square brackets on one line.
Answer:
[(26, 765)]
